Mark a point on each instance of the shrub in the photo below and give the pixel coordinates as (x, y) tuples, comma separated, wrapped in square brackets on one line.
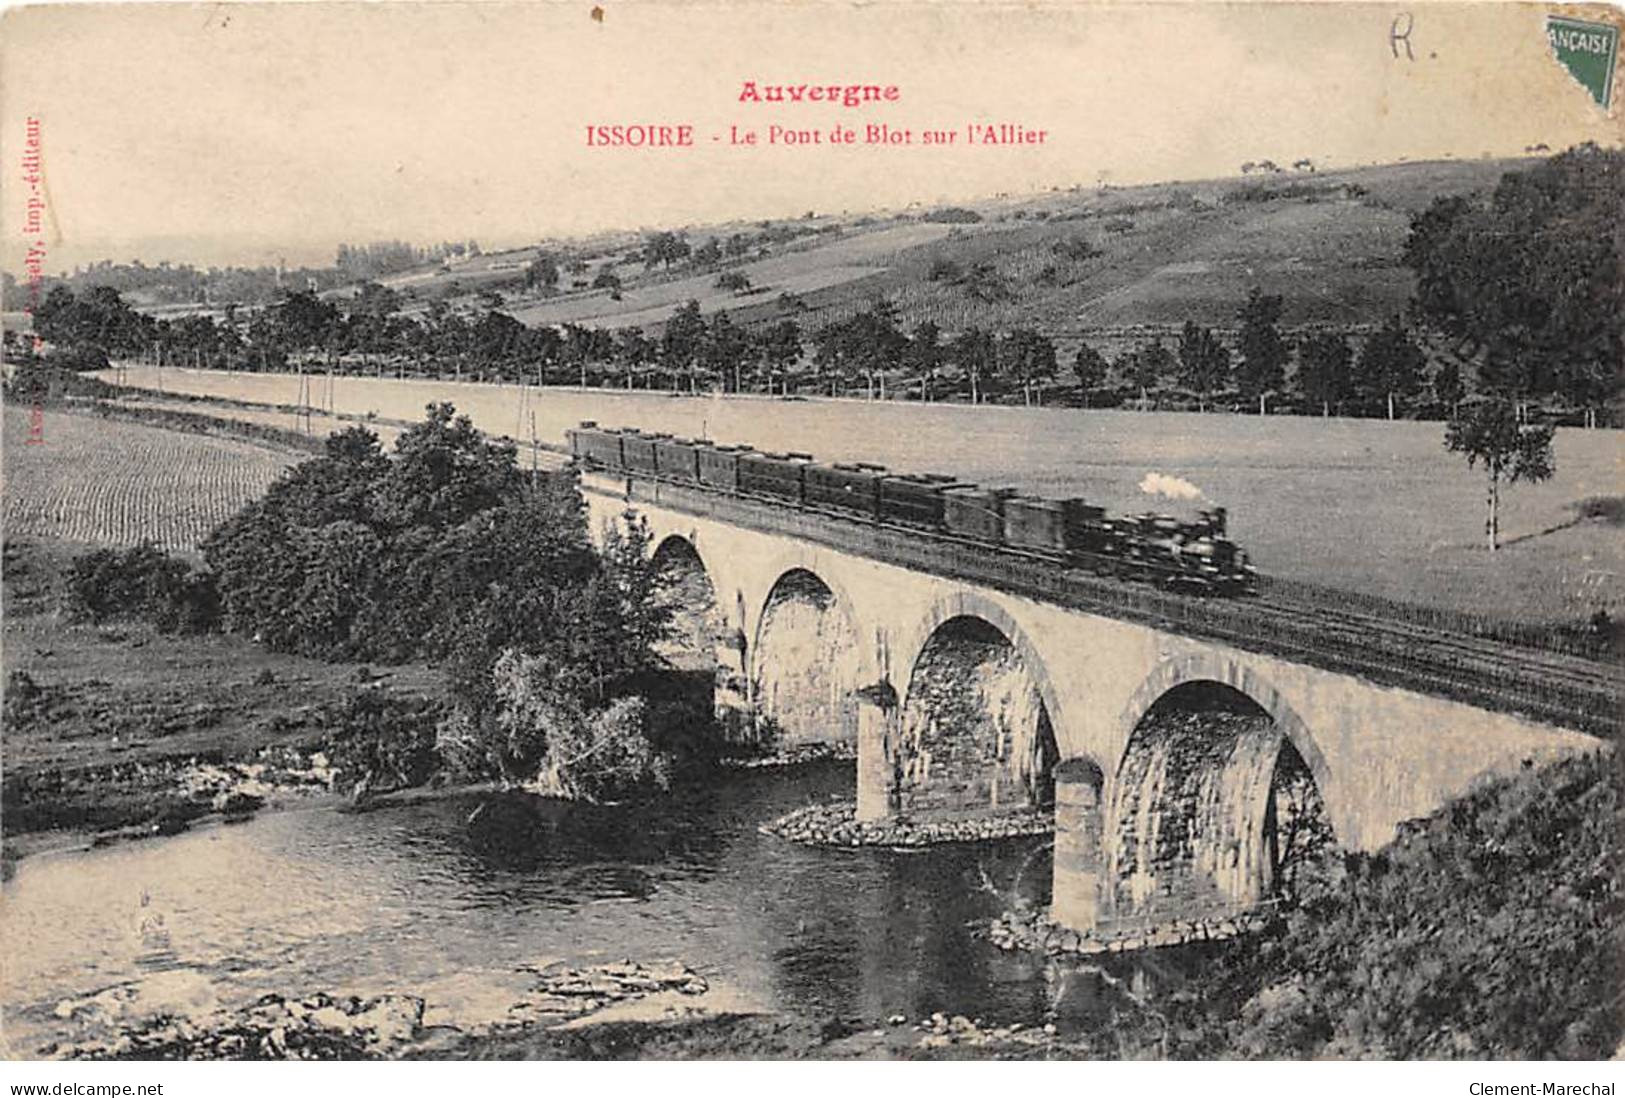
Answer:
[(1609, 509), (26, 701), (57, 377), (1491, 930), (543, 729), (144, 583), (1076, 248), (953, 215), (382, 742)]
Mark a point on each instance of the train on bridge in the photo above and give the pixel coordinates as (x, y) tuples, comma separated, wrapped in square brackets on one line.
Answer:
[(1152, 548)]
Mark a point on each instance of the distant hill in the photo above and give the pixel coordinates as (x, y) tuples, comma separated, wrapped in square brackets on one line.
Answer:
[(1112, 262)]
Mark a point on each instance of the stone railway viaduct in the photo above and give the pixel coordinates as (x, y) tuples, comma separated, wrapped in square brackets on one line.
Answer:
[(963, 698)]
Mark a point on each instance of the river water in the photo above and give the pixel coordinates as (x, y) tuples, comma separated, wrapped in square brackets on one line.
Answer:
[(420, 899)]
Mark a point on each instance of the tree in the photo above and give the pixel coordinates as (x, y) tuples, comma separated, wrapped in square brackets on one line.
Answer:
[(873, 344), (633, 351), (1488, 431), (1148, 366), (1262, 369), (709, 254), (1204, 363), (664, 248), (830, 358), (1091, 367), (680, 343), (642, 588), (1390, 365), (780, 348), (444, 471), (1448, 388), (1530, 276), (1029, 357), (724, 349), (307, 321), (926, 355), (542, 271), (975, 352), (1323, 371)]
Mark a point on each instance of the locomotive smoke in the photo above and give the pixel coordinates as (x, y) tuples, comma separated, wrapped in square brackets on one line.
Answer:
[(1160, 484)]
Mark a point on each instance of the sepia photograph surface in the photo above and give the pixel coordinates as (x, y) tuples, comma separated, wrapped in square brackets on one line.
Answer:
[(737, 530)]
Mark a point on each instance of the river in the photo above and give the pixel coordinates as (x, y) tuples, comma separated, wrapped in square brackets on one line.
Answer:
[(415, 898)]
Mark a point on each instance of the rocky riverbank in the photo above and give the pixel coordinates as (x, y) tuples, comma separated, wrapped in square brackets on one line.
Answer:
[(836, 824), (1034, 931), (175, 1018), (795, 755)]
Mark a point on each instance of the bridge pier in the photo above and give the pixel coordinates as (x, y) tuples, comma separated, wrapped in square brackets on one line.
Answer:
[(1076, 891), (879, 795)]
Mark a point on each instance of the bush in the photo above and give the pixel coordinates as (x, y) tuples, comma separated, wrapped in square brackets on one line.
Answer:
[(144, 583), (1608, 509), (26, 701), (1494, 929), (545, 732), (1076, 248), (953, 215), (57, 377)]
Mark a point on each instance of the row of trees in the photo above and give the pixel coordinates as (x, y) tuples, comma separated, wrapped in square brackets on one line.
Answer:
[(358, 261), (869, 350), (1386, 377)]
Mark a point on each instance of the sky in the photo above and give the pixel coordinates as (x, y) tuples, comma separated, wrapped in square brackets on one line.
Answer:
[(244, 133)]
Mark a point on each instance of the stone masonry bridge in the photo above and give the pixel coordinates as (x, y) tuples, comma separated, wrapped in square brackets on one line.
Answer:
[(1163, 753)]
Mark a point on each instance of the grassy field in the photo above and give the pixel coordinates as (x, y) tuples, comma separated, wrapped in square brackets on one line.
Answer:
[(104, 482), (1363, 505), (805, 268)]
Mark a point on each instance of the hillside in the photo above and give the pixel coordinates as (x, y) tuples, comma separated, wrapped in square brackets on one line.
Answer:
[(1067, 262)]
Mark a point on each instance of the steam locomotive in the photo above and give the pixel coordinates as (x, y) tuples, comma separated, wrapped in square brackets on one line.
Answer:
[(1151, 548)]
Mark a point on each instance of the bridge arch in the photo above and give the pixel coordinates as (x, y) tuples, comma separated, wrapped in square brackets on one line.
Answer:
[(806, 659), (705, 653), (972, 604), (1214, 761), (978, 710), (1206, 666), (804, 558)]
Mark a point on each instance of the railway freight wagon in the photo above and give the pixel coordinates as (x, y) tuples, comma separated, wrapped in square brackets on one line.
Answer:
[(777, 476), (846, 489), (593, 446), (719, 466), (915, 499), (638, 452), (1069, 528), (974, 512), (677, 459)]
